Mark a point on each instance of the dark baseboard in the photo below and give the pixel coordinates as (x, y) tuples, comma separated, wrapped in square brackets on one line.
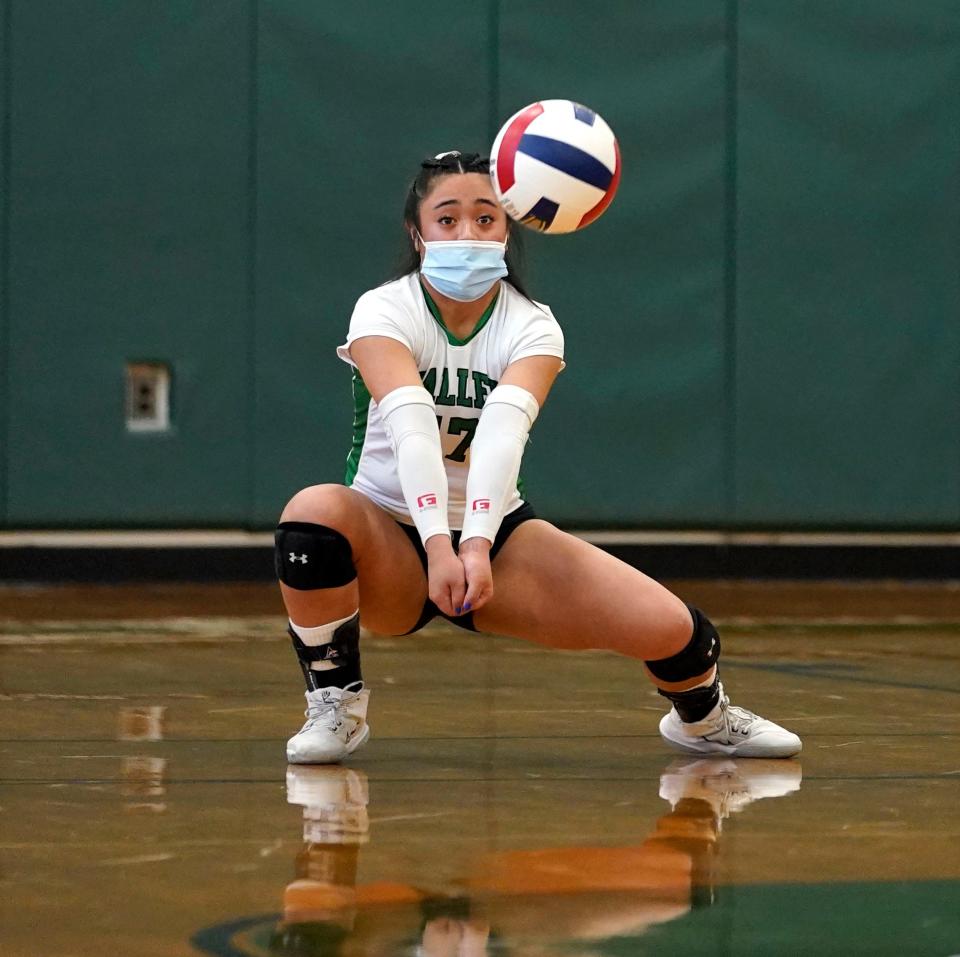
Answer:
[(217, 563)]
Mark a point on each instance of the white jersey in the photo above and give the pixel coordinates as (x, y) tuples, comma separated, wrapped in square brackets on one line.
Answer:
[(459, 374)]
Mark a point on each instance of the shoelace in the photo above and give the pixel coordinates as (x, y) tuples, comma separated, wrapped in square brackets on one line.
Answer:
[(739, 719), (317, 710)]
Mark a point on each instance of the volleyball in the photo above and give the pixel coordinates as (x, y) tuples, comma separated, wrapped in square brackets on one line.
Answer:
[(555, 166)]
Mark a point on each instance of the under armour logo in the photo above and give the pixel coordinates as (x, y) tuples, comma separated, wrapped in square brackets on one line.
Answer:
[(294, 557)]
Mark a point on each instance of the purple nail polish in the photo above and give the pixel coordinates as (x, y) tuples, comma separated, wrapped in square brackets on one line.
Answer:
[(466, 607), (457, 609)]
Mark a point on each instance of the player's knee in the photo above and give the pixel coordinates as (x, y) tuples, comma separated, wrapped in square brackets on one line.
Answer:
[(328, 504), (311, 547), (698, 652), (668, 629), (309, 556)]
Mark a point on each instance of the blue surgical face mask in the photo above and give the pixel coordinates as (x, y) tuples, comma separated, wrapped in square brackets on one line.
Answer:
[(464, 269)]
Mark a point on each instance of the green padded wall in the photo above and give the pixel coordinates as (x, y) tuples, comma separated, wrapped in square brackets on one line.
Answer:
[(640, 296), (351, 97), (761, 330), (848, 341), (4, 245), (129, 223), (634, 431)]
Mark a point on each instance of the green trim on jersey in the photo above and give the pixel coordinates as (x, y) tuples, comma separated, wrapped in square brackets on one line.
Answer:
[(362, 397), (454, 341), (361, 409), (451, 338)]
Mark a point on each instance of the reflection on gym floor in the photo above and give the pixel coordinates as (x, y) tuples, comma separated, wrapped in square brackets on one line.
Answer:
[(533, 901)]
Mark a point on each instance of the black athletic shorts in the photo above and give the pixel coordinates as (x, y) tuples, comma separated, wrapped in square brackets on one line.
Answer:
[(430, 611)]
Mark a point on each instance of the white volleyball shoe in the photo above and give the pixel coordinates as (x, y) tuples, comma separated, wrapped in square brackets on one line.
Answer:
[(730, 731), (336, 725)]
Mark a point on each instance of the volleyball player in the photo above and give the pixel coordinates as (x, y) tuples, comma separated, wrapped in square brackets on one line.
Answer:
[(452, 364)]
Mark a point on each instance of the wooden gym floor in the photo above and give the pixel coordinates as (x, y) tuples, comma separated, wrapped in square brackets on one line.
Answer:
[(512, 800)]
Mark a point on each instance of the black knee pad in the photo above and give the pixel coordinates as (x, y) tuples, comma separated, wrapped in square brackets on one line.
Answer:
[(697, 657), (309, 556)]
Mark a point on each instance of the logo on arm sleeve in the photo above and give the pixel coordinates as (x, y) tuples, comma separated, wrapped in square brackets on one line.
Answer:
[(429, 500), (480, 505)]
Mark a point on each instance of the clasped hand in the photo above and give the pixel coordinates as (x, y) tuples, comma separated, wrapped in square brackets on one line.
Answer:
[(459, 582)]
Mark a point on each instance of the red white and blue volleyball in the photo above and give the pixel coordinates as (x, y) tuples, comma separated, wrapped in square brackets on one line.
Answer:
[(555, 166)]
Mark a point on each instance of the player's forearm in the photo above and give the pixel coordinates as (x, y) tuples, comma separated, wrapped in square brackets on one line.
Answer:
[(495, 456), (410, 417)]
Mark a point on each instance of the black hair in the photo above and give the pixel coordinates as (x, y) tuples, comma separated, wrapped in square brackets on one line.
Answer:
[(431, 169)]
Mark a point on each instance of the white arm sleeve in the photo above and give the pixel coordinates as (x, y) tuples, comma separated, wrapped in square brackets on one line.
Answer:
[(495, 453), (410, 418)]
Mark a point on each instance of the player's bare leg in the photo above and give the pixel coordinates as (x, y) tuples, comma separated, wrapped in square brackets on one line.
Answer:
[(560, 591), (557, 590), (390, 583), (337, 552)]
